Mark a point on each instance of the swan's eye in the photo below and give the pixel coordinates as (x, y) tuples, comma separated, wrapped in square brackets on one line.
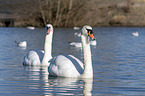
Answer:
[(89, 31), (48, 30)]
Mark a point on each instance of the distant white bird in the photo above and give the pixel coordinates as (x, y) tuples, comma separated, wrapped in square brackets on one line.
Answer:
[(31, 27), (21, 44), (135, 34), (76, 44), (79, 45), (77, 34), (76, 28)]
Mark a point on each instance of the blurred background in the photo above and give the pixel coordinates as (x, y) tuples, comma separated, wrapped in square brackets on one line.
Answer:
[(70, 13)]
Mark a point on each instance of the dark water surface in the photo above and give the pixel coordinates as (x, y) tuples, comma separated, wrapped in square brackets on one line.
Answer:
[(118, 63)]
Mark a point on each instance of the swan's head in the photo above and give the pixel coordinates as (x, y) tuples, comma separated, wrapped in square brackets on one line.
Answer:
[(49, 28), (88, 32)]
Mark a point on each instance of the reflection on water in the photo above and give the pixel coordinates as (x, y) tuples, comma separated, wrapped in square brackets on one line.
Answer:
[(58, 85)]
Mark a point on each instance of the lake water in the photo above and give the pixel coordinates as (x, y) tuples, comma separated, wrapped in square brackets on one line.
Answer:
[(118, 63)]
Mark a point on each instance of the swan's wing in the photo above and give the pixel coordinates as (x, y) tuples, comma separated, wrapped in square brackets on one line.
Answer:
[(65, 66), (33, 58)]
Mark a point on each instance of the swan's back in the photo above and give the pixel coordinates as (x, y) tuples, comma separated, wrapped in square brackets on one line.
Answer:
[(33, 58), (65, 66)]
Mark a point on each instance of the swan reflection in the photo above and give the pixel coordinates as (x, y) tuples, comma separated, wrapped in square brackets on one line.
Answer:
[(71, 86), (39, 81)]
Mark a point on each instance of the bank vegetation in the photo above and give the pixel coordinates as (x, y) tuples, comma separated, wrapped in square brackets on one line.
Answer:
[(69, 13)]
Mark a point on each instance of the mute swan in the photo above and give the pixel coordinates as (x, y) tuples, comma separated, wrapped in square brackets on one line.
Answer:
[(41, 57), (21, 44), (70, 66)]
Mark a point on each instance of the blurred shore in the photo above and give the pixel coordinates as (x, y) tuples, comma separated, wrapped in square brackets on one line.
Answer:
[(70, 13)]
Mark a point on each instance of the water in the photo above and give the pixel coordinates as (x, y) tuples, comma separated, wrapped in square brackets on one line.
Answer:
[(118, 63)]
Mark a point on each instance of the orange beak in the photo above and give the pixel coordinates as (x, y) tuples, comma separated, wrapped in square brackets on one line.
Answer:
[(48, 31), (91, 35)]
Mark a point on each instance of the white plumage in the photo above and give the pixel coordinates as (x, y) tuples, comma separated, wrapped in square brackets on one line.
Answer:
[(77, 34), (66, 66), (34, 58), (135, 34), (63, 66), (70, 66), (79, 45), (38, 57), (31, 27), (76, 44), (76, 28), (21, 44)]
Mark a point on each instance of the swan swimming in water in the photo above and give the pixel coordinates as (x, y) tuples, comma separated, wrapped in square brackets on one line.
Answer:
[(21, 44), (70, 66), (39, 57), (61, 65)]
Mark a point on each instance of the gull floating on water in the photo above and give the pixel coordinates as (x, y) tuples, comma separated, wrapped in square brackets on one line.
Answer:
[(76, 28), (77, 34), (135, 34), (79, 45), (31, 27), (21, 44)]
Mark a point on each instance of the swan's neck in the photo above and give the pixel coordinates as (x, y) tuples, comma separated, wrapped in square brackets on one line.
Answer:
[(88, 71), (47, 49)]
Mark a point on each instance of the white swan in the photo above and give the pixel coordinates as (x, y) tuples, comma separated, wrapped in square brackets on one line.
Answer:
[(70, 66), (41, 57), (21, 44)]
